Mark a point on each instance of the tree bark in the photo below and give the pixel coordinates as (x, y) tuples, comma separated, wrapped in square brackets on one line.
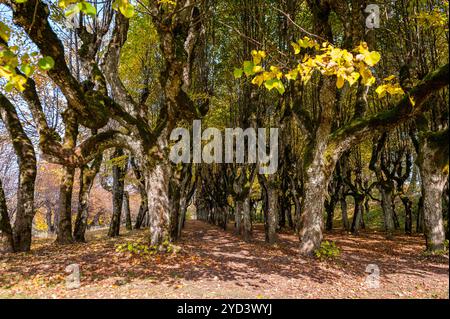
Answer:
[(344, 214), (386, 204), (358, 213), (247, 220), (6, 236), (27, 175), (157, 186), (143, 206), (118, 172), (433, 164), (64, 232), (272, 210), (419, 218), (408, 213), (87, 177), (238, 217), (126, 207)]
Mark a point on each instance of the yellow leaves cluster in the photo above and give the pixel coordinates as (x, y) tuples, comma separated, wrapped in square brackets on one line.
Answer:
[(389, 86), (305, 43), (338, 62), (8, 64), (125, 7), (435, 18), (73, 7), (258, 56), (329, 61)]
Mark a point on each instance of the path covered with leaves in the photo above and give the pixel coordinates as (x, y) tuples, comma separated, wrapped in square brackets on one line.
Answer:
[(213, 263)]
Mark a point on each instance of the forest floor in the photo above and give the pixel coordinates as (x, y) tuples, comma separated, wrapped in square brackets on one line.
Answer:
[(213, 263)]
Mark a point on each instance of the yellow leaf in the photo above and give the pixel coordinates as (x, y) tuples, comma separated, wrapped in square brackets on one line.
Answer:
[(258, 80), (258, 56), (389, 78), (381, 91), (367, 77), (292, 75), (340, 82), (354, 76), (372, 58), (296, 47), (257, 69)]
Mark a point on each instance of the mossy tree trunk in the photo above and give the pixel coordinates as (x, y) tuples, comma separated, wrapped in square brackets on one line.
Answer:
[(118, 184), (87, 177), (64, 232), (433, 165), (6, 237), (27, 175)]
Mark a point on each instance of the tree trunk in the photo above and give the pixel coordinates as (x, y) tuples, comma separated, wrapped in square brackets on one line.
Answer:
[(182, 215), (126, 207), (408, 213), (6, 236), (394, 215), (27, 175), (272, 212), (174, 206), (289, 216), (433, 165), (143, 209), (311, 221), (357, 215), (157, 185), (87, 177), (329, 208), (419, 219), (83, 208), (96, 220), (49, 220), (344, 214), (247, 220), (64, 233), (386, 205), (238, 217), (25, 209), (118, 172)]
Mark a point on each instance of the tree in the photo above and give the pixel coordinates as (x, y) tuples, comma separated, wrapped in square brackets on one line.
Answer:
[(92, 107)]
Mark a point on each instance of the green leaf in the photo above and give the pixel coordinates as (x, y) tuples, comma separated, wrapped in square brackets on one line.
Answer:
[(275, 84), (238, 73), (27, 70), (88, 9), (127, 10), (270, 84), (46, 63), (73, 9), (248, 68), (280, 87)]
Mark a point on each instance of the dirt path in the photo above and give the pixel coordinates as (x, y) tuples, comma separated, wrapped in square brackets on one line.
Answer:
[(216, 264)]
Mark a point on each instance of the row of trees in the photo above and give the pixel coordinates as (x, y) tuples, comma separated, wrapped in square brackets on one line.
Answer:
[(129, 79)]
